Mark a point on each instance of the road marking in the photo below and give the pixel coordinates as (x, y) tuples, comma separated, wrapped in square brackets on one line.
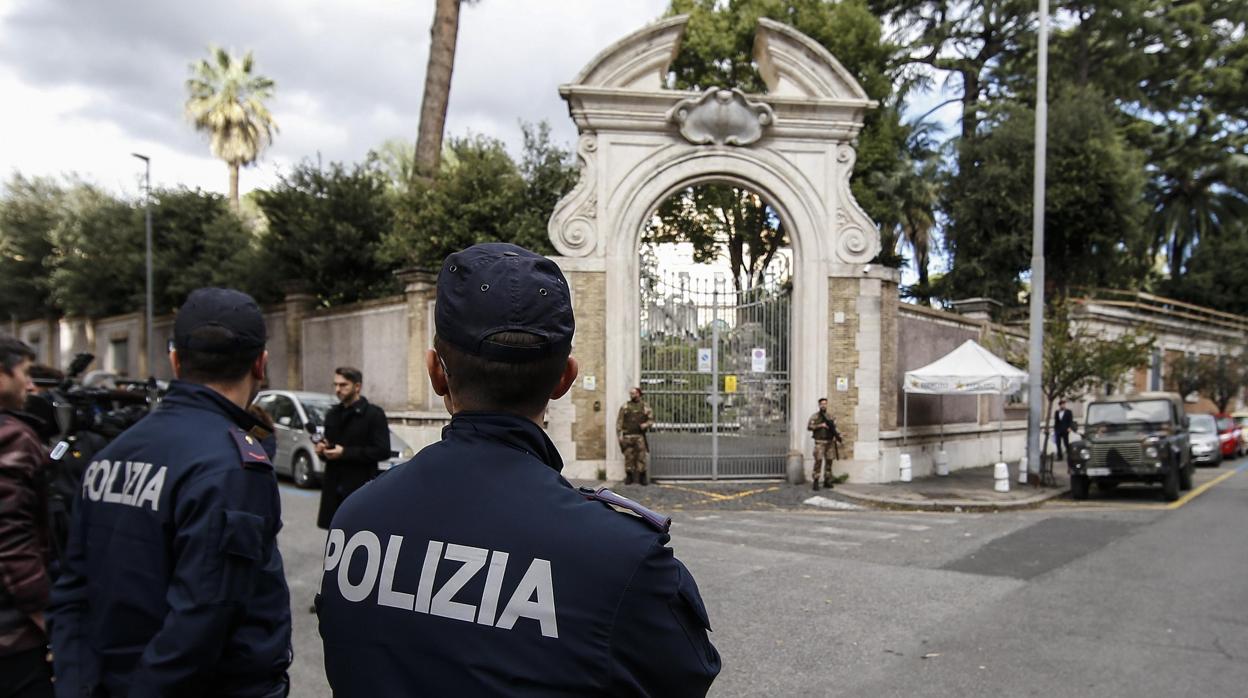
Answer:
[(715, 496), (731, 533), (854, 533), (1203, 488)]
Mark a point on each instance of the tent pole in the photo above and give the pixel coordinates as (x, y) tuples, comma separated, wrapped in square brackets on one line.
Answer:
[(905, 418), (941, 402)]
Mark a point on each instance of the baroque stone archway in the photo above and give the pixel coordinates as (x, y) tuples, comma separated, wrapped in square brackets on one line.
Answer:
[(640, 142)]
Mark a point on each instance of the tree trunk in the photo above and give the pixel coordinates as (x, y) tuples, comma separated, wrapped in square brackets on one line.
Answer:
[(234, 186), (443, 36)]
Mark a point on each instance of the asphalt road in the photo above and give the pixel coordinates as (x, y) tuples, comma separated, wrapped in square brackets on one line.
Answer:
[(1121, 596)]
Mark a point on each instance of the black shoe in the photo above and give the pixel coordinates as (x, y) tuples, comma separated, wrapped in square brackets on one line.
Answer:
[(312, 609), (628, 478), (827, 484), (815, 486), (644, 479)]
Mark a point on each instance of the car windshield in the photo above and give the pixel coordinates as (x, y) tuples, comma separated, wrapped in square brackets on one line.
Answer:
[(317, 409), (1202, 424), (1128, 414)]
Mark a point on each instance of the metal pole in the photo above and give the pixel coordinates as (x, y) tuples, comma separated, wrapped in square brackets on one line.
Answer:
[(147, 246), (715, 379), (1036, 339)]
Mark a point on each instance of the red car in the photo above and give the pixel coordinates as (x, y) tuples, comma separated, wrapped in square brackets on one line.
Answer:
[(1230, 436)]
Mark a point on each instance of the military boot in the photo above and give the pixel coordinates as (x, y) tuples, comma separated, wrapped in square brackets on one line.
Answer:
[(643, 477), (815, 486), (628, 478)]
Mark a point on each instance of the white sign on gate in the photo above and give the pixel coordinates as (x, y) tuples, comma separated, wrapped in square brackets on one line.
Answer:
[(704, 360), (758, 360)]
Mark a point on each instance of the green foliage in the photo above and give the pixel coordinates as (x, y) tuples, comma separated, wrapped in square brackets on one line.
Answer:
[(717, 50), (28, 211), (1216, 275), (1093, 214), (97, 257), (481, 195), (198, 242), (325, 231), (1225, 376)]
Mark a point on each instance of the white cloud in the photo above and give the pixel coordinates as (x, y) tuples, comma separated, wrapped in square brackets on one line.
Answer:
[(96, 81)]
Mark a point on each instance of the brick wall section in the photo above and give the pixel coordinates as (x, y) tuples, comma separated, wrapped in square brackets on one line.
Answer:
[(890, 378), (589, 303), (842, 359)]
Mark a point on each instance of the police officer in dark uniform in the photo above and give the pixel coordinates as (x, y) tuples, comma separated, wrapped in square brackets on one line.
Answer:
[(173, 584), (476, 569)]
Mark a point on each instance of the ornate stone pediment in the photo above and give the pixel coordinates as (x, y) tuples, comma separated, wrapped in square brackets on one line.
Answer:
[(722, 117)]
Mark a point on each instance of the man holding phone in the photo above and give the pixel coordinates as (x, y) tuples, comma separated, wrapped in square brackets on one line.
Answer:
[(356, 439)]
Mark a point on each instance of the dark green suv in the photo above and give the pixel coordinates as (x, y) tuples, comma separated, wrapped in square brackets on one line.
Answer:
[(1133, 438)]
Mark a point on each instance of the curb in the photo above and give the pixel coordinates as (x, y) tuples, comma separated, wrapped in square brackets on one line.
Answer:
[(961, 505)]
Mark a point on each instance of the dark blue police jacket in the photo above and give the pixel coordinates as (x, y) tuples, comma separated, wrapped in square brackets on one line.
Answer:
[(475, 569), (173, 584)]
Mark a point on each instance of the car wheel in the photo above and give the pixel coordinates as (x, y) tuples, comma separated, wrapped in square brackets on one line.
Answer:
[(1170, 486), (301, 472), (1185, 477), (1079, 486)]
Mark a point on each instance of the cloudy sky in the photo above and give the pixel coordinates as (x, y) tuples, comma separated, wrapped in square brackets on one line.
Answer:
[(87, 82)]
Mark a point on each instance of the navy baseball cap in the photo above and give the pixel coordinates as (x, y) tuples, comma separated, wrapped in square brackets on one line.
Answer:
[(234, 312), (499, 287)]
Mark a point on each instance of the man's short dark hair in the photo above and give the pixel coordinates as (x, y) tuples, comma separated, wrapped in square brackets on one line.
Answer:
[(13, 351), (494, 386), (823, 399), (354, 375), (214, 367)]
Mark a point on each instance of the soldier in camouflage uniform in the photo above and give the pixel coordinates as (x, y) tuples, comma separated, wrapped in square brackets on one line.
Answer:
[(634, 420), (823, 427)]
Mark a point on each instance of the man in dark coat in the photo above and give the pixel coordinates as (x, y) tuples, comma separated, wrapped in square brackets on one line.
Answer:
[(24, 670), (1063, 423), (356, 439), (476, 569)]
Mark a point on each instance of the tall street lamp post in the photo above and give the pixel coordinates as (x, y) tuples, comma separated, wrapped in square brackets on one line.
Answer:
[(147, 215), (1035, 393)]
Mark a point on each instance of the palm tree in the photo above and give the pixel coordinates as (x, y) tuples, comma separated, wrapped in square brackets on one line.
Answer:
[(443, 36), (1196, 189), (227, 101)]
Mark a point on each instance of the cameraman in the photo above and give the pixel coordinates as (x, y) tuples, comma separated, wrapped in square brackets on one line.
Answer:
[(24, 670)]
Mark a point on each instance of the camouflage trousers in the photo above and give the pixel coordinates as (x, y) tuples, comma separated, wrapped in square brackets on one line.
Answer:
[(825, 452), (636, 455)]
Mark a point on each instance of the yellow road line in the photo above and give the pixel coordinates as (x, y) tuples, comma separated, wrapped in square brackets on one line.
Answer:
[(1199, 490), (721, 497)]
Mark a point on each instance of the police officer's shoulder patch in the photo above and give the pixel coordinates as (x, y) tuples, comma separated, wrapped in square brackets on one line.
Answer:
[(250, 450), (656, 520)]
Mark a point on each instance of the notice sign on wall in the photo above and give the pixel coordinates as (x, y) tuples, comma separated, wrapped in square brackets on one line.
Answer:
[(730, 384), (758, 360), (704, 360)]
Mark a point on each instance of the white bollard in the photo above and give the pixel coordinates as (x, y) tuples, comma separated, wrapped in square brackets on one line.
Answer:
[(1022, 470), (906, 472), (942, 463), (1001, 473)]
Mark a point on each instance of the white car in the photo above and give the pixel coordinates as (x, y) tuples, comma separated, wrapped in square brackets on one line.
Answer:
[(296, 417)]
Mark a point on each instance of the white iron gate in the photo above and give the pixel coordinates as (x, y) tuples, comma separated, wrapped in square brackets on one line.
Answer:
[(715, 370)]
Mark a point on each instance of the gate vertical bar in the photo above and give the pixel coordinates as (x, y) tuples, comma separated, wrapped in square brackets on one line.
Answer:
[(715, 379)]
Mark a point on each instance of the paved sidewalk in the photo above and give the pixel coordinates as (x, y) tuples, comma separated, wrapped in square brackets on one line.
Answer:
[(969, 489), (965, 490)]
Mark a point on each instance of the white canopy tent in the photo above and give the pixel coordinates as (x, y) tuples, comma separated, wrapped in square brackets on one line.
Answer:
[(968, 370)]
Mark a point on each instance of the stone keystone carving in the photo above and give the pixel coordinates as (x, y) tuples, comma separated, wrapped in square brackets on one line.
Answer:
[(722, 117)]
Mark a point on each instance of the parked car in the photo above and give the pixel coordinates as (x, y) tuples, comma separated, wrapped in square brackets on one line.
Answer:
[(1206, 447), (296, 417), (1134, 438), (1241, 418), (1230, 436)]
